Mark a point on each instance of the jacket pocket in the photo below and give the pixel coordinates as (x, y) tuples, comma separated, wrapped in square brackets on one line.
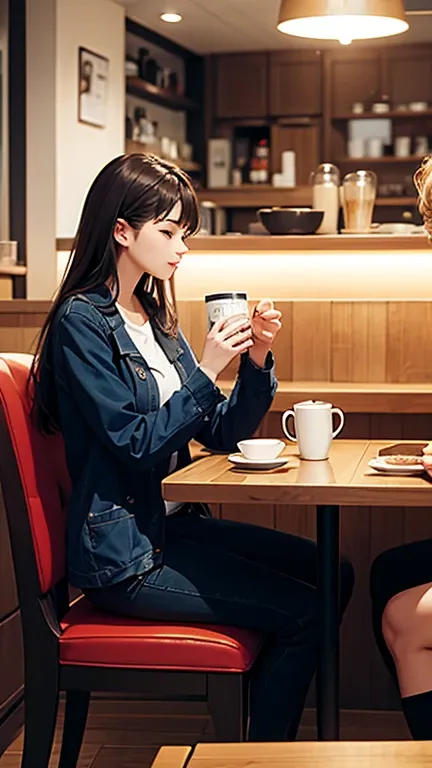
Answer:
[(111, 535), (113, 514)]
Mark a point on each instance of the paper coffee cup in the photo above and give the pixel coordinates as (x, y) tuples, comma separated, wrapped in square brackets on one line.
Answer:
[(220, 305)]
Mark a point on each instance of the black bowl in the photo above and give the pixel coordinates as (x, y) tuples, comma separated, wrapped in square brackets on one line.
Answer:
[(290, 221)]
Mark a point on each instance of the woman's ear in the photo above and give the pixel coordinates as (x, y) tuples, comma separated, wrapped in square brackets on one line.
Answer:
[(123, 233)]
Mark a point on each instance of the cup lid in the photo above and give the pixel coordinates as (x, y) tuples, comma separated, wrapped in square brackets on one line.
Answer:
[(228, 295), (313, 404)]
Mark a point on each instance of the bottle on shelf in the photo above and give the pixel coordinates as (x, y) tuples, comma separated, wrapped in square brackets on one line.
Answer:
[(326, 196), (259, 163)]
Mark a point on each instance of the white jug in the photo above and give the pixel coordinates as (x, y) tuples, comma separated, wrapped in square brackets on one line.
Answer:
[(313, 422)]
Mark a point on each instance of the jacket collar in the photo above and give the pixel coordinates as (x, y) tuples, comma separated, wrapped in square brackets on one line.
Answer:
[(101, 298)]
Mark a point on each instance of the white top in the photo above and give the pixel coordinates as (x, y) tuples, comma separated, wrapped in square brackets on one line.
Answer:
[(165, 373)]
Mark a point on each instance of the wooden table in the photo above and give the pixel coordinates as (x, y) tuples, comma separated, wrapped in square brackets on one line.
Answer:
[(343, 754), (345, 479)]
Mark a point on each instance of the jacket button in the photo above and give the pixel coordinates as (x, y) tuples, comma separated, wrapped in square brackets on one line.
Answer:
[(141, 373), (130, 500)]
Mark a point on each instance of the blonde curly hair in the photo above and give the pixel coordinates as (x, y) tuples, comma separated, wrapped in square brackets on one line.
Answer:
[(423, 183)]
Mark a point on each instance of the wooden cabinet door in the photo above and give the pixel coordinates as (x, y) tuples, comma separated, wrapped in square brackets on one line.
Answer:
[(408, 74), (295, 83), (241, 85), (304, 140), (354, 77)]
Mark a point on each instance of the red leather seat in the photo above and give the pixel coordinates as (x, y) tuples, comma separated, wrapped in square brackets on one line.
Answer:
[(77, 648), (90, 637)]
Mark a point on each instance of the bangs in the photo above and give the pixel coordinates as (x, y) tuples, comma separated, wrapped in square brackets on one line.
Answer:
[(174, 188)]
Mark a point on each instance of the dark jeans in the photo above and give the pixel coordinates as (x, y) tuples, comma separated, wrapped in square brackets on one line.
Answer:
[(223, 572), (394, 571)]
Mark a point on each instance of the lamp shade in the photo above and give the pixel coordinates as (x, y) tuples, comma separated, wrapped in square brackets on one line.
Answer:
[(343, 20)]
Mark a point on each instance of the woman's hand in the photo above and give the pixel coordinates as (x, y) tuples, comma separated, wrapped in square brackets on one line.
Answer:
[(228, 338), (266, 323)]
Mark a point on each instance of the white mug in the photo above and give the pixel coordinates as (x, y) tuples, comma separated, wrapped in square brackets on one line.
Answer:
[(313, 420), (402, 146)]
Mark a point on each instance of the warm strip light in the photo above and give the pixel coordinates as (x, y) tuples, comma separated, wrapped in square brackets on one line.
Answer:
[(171, 18)]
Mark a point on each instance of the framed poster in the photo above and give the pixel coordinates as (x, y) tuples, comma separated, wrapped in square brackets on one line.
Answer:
[(93, 88)]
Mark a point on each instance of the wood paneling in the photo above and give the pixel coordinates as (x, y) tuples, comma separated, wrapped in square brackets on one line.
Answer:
[(295, 83), (241, 85), (8, 593), (11, 655), (355, 342)]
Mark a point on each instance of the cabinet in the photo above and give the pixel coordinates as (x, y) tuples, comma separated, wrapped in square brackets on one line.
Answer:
[(354, 77), (407, 74), (241, 85), (295, 83), (304, 140)]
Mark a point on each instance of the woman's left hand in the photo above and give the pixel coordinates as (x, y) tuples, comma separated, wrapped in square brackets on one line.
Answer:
[(266, 323)]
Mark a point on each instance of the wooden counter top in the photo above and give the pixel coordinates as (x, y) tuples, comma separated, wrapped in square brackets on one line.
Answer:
[(312, 243), (284, 244)]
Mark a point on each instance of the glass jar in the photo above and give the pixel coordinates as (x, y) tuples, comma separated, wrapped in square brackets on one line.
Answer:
[(325, 181), (358, 200)]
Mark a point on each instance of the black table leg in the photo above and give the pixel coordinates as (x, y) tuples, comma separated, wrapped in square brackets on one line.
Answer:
[(327, 676)]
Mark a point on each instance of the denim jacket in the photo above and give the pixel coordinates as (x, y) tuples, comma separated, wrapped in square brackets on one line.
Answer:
[(119, 439)]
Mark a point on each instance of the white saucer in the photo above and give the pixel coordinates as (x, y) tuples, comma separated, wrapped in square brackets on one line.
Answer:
[(241, 461), (393, 469)]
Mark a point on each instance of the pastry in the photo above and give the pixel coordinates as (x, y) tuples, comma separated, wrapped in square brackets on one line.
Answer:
[(403, 460)]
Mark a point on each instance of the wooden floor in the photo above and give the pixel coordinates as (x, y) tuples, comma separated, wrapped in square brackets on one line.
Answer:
[(126, 734)]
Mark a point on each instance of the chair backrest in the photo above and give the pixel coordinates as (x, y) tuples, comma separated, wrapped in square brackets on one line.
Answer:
[(35, 484)]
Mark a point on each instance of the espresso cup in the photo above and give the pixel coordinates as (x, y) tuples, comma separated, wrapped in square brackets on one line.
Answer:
[(261, 448), (313, 423), (227, 304)]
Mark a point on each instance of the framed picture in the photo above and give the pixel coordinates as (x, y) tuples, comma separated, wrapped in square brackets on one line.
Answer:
[(93, 88)]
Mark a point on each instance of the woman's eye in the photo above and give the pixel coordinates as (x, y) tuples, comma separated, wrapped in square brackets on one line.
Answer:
[(168, 234)]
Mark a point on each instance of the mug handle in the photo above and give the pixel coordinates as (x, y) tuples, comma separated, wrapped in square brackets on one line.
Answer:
[(285, 418), (342, 420)]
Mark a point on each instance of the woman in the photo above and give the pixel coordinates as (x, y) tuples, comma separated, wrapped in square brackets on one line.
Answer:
[(117, 377), (401, 586)]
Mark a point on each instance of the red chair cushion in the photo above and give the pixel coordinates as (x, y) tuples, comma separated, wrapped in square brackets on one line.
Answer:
[(92, 638)]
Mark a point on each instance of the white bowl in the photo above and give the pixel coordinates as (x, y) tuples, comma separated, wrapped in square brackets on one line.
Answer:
[(261, 448)]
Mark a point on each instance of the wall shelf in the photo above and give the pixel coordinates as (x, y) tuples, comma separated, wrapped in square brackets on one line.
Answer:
[(396, 201), (135, 146), (257, 196), (141, 89), (399, 115), (384, 159)]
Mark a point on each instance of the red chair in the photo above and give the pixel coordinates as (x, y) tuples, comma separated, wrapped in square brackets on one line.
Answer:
[(75, 648)]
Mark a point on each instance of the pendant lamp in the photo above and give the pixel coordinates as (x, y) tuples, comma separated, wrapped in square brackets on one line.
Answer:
[(343, 20)]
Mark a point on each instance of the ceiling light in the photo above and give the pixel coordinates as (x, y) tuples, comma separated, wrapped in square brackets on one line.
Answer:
[(343, 20), (171, 18)]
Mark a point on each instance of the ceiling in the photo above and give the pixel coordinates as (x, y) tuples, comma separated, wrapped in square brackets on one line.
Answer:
[(212, 26)]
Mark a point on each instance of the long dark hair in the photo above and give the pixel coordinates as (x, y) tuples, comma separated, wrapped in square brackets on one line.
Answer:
[(137, 188)]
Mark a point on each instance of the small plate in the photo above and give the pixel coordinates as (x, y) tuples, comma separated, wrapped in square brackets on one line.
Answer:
[(381, 466), (241, 461)]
